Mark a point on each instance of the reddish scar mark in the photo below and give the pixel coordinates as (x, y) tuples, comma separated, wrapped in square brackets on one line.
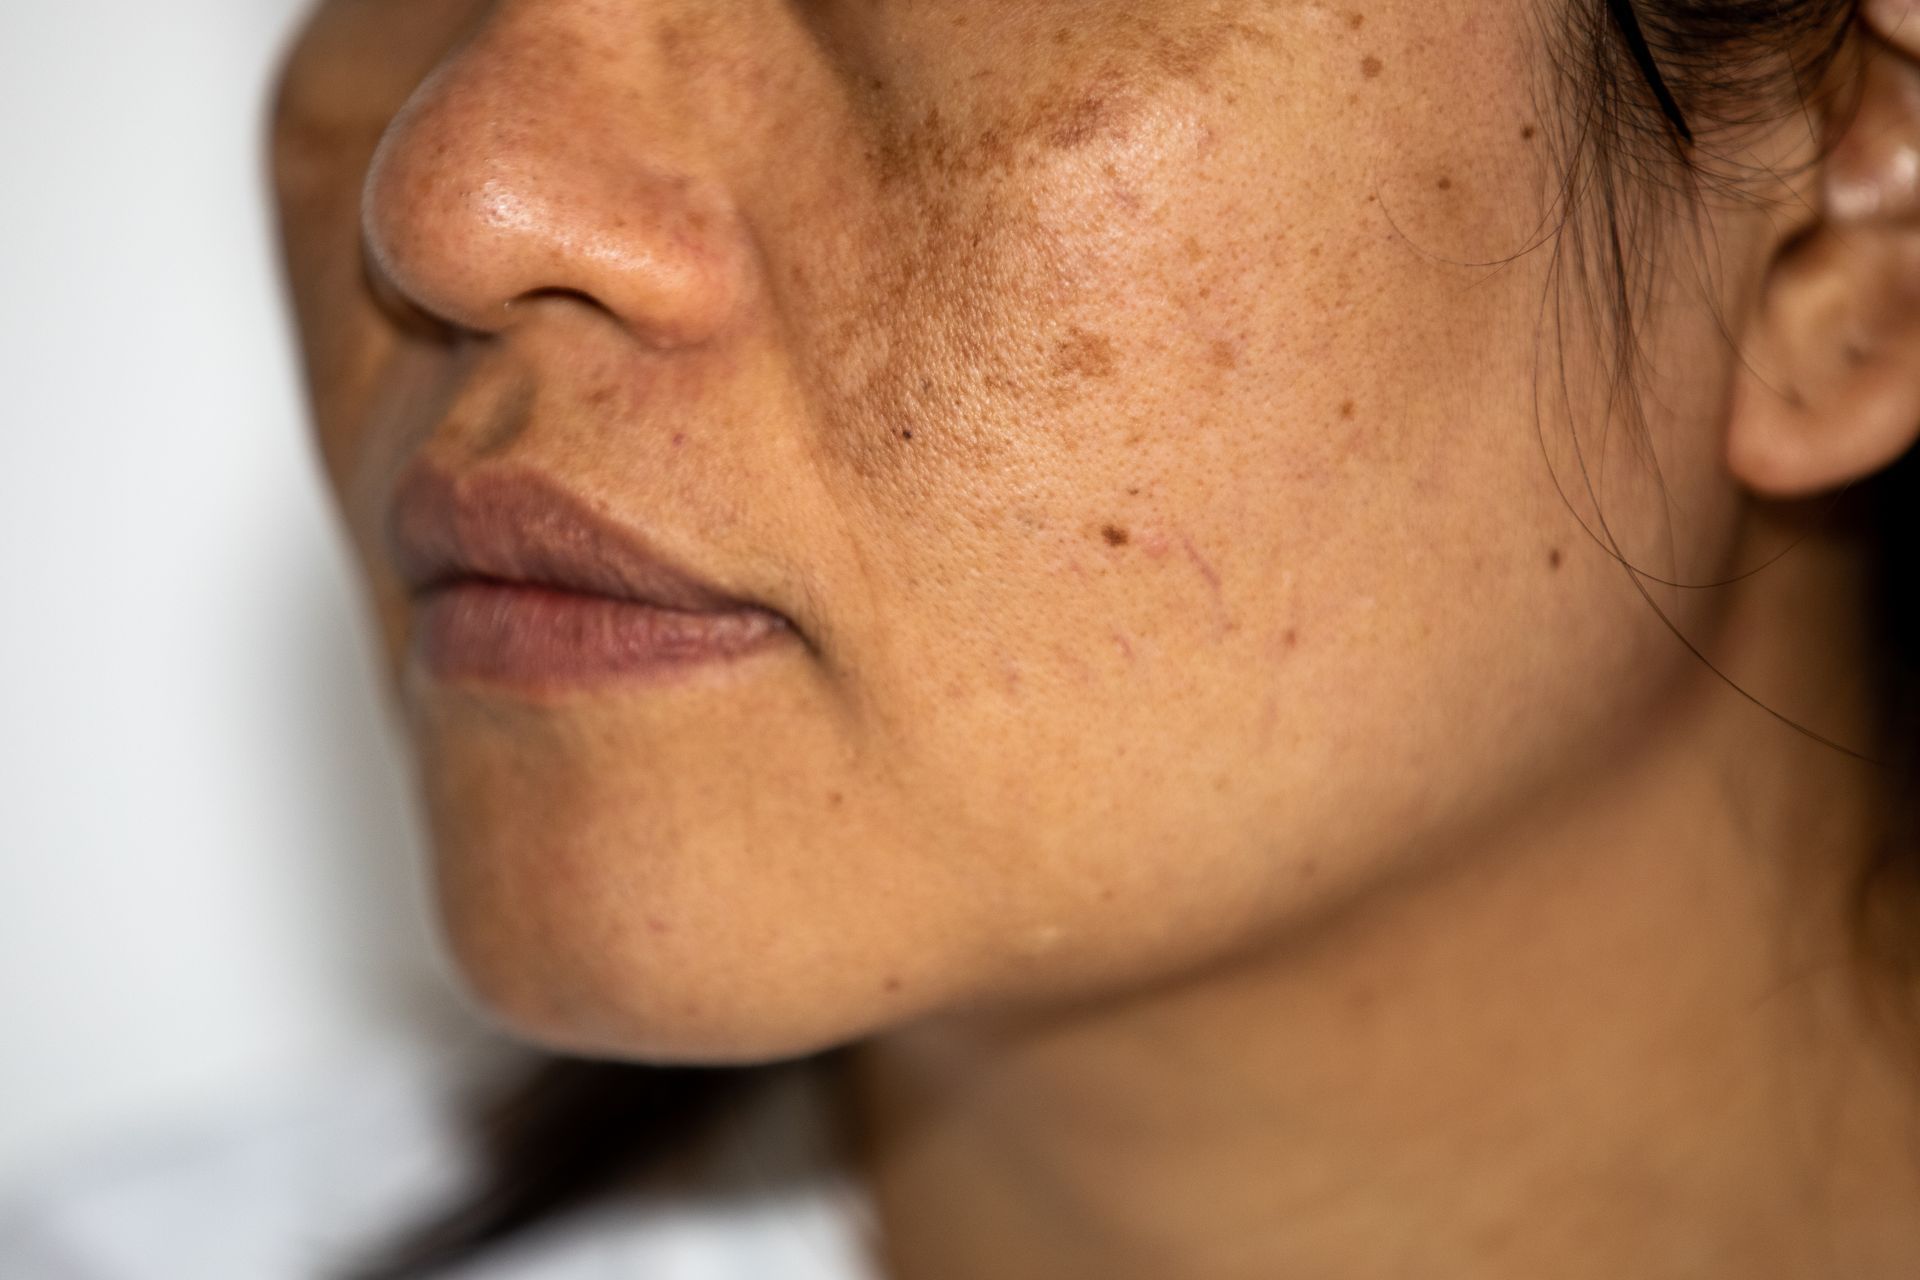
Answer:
[(1125, 646), (1114, 534), (658, 925), (1371, 66), (679, 438), (1212, 576)]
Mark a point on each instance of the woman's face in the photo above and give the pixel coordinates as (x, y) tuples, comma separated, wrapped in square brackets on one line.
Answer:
[(1168, 511)]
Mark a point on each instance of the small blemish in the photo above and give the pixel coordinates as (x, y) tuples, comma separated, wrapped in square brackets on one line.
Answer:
[(1291, 639), (1371, 67), (893, 983), (1223, 356), (1355, 21), (906, 434), (1527, 132), (1090, 355), (679, 438), (1554, 558), (1114, 534), (1133, 491), (658, 925), (1347, 409), (834, 798), (1445, 183), (1192, 248)]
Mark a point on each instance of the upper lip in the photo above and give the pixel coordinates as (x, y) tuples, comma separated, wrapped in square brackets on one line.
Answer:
[(523, 526)]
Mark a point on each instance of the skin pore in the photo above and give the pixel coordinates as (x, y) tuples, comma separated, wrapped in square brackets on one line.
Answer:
[(1226, 779)]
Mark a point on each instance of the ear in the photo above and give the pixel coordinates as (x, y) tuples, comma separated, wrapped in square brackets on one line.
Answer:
[(1829, 390)]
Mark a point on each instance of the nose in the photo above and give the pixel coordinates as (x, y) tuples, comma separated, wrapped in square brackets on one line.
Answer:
[(545, 160)]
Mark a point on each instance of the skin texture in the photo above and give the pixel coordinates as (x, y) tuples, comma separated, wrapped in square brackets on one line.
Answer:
[(1224, 778)]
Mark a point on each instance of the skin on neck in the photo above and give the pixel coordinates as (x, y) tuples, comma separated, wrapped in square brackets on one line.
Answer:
[(1623, 1034)]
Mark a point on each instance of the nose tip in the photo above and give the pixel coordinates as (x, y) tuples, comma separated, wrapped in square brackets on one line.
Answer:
[(479, 198)]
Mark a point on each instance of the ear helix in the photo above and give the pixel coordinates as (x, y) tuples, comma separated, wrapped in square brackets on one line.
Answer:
[(1873, 174)]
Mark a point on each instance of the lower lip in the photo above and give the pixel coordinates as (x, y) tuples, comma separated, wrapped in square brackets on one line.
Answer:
[(539, 637)]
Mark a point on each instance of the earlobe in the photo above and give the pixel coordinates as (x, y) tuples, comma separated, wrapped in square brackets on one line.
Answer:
[(1829, 391)]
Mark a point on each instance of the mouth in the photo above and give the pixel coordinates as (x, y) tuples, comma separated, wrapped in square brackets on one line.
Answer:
[(517, 581)]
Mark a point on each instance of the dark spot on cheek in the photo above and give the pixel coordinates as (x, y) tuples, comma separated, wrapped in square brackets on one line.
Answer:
[(1371, 67), (1554, 558), (1090, 355), (1445, 183), (657, 925), (906, 433), (1223, 355), (1527, 131), (1291, 639), (1355, 21), (893, 983), (679, 438), (1347, 409), (834, 798), (1114, 534)]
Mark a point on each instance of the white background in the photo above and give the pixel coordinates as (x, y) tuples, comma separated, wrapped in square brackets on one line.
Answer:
[(210, 882)]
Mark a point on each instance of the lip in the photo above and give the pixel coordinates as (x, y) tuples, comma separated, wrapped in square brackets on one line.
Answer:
[(517, 580)]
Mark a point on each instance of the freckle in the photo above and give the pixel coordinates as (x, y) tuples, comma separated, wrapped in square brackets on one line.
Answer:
[(834, 798), (893, 983), (1106, 894), (1062, 34), (1356, 20), (1192, 247), (1222, 355), (1347, 408), (1114, 534), (1527, 131), (1371, 66), (1445, 184), (1134, 492), (1554, 558)]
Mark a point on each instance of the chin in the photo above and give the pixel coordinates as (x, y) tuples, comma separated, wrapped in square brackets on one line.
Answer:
[(583, 959)]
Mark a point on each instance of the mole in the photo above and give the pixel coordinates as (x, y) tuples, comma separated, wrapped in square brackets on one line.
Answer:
[(1527, 131), (1371, 66), (1346, 408), (1355, 21), (1445, 183), (906, 433), (1114, 534), (1554, 558)]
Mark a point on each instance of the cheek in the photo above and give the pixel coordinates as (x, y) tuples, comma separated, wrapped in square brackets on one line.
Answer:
[(1204, 483)]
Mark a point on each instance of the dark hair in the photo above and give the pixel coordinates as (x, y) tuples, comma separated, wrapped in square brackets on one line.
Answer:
[(1648, 92)]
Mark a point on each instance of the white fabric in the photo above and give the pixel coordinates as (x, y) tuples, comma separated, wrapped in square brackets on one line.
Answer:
[(289, 1190)]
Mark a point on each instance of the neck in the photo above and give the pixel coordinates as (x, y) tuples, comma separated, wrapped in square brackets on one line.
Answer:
[(1624, 1037)]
